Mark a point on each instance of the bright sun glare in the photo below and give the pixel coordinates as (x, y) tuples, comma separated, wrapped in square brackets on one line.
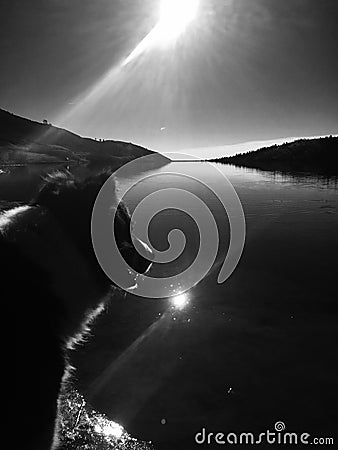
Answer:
[(175, 16)]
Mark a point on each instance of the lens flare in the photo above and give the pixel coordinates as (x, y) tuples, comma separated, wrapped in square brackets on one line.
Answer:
[(158, 201)]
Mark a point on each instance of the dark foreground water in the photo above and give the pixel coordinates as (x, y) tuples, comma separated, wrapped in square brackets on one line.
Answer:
[(235, 357)]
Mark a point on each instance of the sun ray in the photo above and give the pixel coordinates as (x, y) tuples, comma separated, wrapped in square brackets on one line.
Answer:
[(174, 17)]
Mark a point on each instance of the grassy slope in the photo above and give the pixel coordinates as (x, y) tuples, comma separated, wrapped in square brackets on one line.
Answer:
[(313, 155), (23, 141)]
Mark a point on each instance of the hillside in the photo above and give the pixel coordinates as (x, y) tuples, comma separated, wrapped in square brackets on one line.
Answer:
[(304, 155), (23, 141)]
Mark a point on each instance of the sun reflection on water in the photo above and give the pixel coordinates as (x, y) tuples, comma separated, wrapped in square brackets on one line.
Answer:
[(83, 427), (112, 429), (180, 302)]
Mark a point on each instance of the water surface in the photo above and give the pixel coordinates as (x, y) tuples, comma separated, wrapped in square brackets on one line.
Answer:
[(238, 356)]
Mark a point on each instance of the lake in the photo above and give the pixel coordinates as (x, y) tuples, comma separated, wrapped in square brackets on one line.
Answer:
[(231, 357)]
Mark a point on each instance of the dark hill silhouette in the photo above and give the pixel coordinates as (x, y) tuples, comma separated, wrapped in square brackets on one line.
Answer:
[(304, 155), (23, 141)]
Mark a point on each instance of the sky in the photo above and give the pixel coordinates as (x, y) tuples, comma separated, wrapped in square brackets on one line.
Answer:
[(242, 70)]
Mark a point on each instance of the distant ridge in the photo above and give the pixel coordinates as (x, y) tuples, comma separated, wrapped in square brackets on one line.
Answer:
[(303, 155), (23, 141)]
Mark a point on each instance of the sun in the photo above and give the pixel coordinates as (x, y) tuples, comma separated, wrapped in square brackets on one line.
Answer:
[(175, 16)]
